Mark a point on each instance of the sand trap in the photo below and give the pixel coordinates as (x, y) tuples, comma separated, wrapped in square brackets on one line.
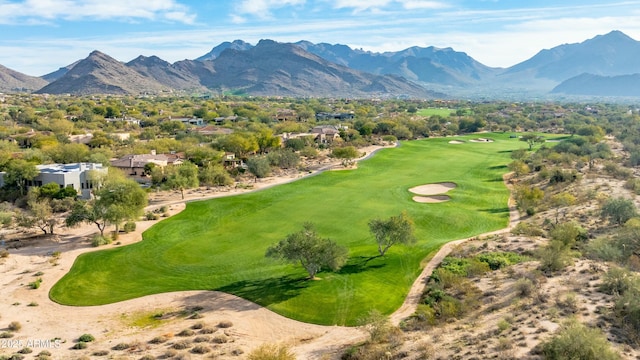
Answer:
[(456, 142), (433, 189), (482, 140), (431, 199)]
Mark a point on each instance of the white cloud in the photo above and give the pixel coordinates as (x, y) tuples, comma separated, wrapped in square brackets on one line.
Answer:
[(48, 10), (263, 8), (361, 5), (421, 4)]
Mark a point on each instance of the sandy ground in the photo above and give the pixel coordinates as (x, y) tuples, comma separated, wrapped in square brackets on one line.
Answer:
[(48, 326), (433, 189)]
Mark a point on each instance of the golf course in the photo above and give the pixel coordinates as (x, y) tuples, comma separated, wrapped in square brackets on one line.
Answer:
[(220, 244)]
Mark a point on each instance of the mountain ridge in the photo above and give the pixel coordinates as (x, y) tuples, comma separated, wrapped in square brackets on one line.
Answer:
[(307, 69)]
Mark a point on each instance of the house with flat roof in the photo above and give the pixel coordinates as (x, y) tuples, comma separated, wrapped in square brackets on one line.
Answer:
[(65, 175)]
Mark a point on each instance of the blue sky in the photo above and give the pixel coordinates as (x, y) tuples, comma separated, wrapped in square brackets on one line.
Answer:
[(39, 36)]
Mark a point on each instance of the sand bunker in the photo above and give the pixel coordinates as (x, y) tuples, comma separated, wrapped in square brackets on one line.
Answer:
[(456, 142), (482, 140), (431, 199), (433, 189)]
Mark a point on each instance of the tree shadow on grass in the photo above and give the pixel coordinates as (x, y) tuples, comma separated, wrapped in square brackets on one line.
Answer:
[(359, 264), (500, 210), (267, 291), (498, 167)]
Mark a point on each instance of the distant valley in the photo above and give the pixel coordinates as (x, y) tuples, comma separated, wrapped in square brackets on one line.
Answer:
[(604, 66)]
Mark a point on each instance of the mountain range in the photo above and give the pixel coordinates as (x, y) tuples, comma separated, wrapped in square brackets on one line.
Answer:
[(605, 65)]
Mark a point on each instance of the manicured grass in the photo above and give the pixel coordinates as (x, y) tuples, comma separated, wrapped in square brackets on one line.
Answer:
[(220, 244), (444, 112)]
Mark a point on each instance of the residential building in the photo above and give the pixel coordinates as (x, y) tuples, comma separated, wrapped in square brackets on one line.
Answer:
[(133, 165), (66, 175)]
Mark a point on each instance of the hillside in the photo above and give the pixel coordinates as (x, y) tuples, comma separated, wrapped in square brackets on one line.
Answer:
[(598, 85), (272, 68), (102, 74), (13, 81), (174, 77)]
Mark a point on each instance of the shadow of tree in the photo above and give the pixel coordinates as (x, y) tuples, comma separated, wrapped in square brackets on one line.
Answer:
[(359, 264), (267, 291)]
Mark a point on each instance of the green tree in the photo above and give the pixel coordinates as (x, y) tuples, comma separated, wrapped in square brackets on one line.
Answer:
[(18, 172), (395, 230), (118, 199), (240, 144), (181, 177), (259, 166), (122, 200), (214, 175), (562, 200), (527, 198), (39, 213), (347, 153), (618, 210), (266, 140), (310, 250), (532, 139)]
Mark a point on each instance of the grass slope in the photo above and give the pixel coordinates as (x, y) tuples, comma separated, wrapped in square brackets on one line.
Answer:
[(220, 244)]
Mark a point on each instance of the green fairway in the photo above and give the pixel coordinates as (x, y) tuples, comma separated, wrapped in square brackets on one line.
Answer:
[(444, 112), (220, 244)]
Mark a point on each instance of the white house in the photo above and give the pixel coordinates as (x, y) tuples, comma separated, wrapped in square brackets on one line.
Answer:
[(66, 175)]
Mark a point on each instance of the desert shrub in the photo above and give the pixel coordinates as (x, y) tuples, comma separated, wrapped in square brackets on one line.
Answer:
[(79, 345), (207, 330), (558, 175), (225, 324), (220, 339), (527, 229), (16, 357), (499, 260), (129, 226), (35, 284), (568, 303), (271, 352), (603, 249), (389, 138), (169, 353), (197, 326), (99, 240), (617, 280), (4, 253), (524, 287), (159, 339), (377, 325), (181, 345), (121, 346), (503, 325), (464, 267), (25, 350), (15, 326), (43, 355), (554, 257), (618, 210), (201, 339), (576, 341), (100, 353), (151, 216), (86, 338), (148, 357), (200, 349), (568, 233), (617, 171), (186, 332), (633, 184), (5, 335)]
